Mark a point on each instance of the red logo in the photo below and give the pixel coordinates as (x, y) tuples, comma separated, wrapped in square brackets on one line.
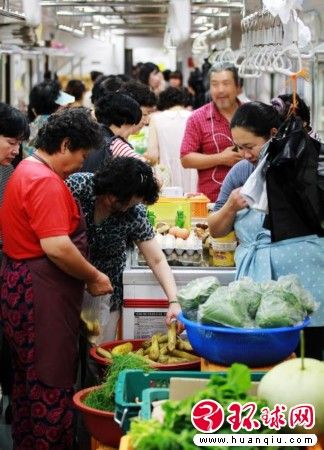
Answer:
[(207, 416)]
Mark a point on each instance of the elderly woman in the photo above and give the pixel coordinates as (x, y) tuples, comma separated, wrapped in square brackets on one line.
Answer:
[(113, 203), (257, 256), (13, 130), (43, 277)]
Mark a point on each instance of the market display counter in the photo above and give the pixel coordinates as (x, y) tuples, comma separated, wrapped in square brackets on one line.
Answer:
[(145, 303)]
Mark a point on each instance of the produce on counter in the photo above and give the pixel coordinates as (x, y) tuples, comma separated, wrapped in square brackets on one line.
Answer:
[(159, 349), (234, 305), (181, 247), (246, 304), (104, 397), (195, 293), (177, 432)]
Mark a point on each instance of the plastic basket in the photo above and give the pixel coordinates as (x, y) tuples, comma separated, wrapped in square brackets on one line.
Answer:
[(199, 206), (100, 424), (153, 394), (137, 343), (165, 210), (254, 347), (149, 396), (131, 384)]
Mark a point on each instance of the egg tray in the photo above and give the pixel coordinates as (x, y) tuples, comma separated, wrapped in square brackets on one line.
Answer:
[(192, 259)]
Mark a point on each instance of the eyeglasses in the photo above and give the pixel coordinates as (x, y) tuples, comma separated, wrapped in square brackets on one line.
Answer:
[(244, 148)]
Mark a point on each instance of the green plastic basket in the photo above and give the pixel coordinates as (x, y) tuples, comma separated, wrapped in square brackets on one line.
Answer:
[(149, 396), (142, 386), (131, 384)]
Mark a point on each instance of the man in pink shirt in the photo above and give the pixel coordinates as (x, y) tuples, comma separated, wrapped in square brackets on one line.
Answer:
[(207, 144)]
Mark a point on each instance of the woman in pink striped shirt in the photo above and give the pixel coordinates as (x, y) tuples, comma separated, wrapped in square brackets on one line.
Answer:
[(117, 113)]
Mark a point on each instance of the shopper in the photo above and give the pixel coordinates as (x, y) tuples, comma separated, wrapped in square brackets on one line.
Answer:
[(166, 131), (113, 202), (44, 99), (77, 89), (207, 144), (147, 101), (118, 114), (13, 130), (43, 277), (151, 75), (252, 126)]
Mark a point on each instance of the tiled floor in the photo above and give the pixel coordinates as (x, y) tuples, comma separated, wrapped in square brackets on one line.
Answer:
[(5, 432)]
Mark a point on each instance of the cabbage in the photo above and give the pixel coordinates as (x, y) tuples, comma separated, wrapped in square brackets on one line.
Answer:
[(195, 293)]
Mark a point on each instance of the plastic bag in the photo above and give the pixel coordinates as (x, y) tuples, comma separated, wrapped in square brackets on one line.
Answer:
[(284, 303), (95, 314), (296, 206), (195, 293), (234, 305)]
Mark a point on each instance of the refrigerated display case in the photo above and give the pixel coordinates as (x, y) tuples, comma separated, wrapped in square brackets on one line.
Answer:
[(145, 303)]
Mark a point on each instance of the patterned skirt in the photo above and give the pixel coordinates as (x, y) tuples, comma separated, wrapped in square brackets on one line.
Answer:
[(42, 415)]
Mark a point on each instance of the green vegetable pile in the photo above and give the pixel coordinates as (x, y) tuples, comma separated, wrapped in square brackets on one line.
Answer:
[(195, 293), (177, 432), (104, 397), (246, 304)]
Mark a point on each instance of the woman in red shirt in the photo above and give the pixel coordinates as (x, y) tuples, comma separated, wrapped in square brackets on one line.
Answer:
[(43, 277)]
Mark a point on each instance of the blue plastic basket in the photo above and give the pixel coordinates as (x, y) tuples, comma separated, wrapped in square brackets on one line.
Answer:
[(255, 347)]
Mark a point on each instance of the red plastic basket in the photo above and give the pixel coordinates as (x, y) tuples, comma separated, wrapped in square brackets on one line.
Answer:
[(100, 424), (137, 343)]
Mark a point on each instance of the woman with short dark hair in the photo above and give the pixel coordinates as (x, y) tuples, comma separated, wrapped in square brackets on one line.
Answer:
[(77, 89), (45, 98), (113, 202), (14, 129), (166, 132), (117, 114), (43, 277), (151, 75)]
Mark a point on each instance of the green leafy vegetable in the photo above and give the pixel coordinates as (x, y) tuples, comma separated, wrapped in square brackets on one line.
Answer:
[(195, 293), (234, 305), (104, 397), (177, 432)]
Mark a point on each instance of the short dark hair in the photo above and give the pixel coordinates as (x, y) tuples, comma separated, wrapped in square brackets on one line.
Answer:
[(13, 123), (94, 74), (146, 70), (177, 74), (75, 88), (256, 117), (75, 124), (226, 65), (42, 97), (125, 177), (139, 92), (117, 109), (104, 85), (172, 96)]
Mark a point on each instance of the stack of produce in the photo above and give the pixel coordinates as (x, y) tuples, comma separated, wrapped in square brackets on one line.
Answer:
[(246, 304), (159, 349), (176, 432)]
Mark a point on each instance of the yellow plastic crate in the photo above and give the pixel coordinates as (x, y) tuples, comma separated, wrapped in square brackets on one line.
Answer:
[(165, 210)]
